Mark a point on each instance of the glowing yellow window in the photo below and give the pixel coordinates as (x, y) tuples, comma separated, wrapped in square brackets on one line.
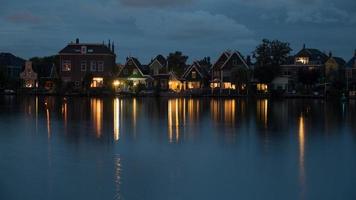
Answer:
[(97, 82)]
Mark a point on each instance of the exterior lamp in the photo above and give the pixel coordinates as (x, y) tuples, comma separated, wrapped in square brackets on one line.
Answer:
[(116, 83)]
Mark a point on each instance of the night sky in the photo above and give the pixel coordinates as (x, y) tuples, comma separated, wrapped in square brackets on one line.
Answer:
[(145, 28)]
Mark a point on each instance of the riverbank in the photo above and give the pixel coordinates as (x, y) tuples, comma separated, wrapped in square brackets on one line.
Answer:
[(178, 95)]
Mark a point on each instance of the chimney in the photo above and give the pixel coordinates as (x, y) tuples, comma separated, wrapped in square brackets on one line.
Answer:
[(330, 54), (303, 46), (77, 41), (109, 45)]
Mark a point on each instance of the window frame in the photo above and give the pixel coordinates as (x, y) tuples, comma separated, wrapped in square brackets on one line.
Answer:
[(100, 66), (93, 66), (66, 66), (83, 65)]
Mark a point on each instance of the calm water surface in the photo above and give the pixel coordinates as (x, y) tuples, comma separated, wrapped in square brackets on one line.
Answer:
[(92, 148)]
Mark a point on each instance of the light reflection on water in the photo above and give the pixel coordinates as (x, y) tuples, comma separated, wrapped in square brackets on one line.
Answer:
[(144, 144), (302, 154), (96, 106)]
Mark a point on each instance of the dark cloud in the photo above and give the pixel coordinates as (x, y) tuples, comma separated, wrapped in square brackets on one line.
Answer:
[(197, 27), (23, 17)]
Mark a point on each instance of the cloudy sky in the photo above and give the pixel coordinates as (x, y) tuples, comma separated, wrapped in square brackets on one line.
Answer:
[(145, 28)]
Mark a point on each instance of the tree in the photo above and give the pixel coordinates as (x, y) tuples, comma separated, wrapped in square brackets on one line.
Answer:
[(270, 55), (43, 65), (177, 62), (205, 63), (3, 77)]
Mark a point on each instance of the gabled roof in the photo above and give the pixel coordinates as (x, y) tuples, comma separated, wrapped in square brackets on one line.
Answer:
[(225, 58), (74, 48), (202, 72), (351, 63), (160, 59), (340, 61), (142, 69), (174, 76), (239, 56), (222, 59), (313, 54), (54, 73)]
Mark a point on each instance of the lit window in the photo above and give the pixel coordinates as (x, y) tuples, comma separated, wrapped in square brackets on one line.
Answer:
[(193, 85), (97, 82), (100, 66), (66, 65), (302, 60), (194, 74), (93, 66), (83, 66), (262, 87), (83, 50)]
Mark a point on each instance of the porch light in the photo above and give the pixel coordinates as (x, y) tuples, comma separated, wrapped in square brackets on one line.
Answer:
[(116, 83)]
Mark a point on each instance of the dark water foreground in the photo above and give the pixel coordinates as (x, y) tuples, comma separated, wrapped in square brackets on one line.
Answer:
[(87, 148)]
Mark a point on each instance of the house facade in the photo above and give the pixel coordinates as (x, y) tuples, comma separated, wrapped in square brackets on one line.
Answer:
[(158, 69), (131, 75), (80, 60), (306, 61), (29, 76), (230, 71), (158, 65), (195, 77)]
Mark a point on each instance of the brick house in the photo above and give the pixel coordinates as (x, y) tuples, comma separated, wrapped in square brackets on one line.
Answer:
[(78, 60)]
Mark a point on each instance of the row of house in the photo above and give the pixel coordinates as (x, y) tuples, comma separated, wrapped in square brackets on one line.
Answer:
[(97, 61), (95, 65)]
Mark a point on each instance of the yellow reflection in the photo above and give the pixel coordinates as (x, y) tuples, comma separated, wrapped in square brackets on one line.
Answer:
[(116, 119), (301, 151), (223, 111), (262, 111), (97, 115), (193, 109), (175, 112), (134, 116), (229, 111), (65, 114), (48, 123), (215, 110)]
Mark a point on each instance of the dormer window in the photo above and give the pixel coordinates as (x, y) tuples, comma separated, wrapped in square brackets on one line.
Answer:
[(83, 50), (194, 74), (302, 60)]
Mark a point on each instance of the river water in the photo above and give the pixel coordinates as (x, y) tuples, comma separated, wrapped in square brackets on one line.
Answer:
[(199, 148)]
